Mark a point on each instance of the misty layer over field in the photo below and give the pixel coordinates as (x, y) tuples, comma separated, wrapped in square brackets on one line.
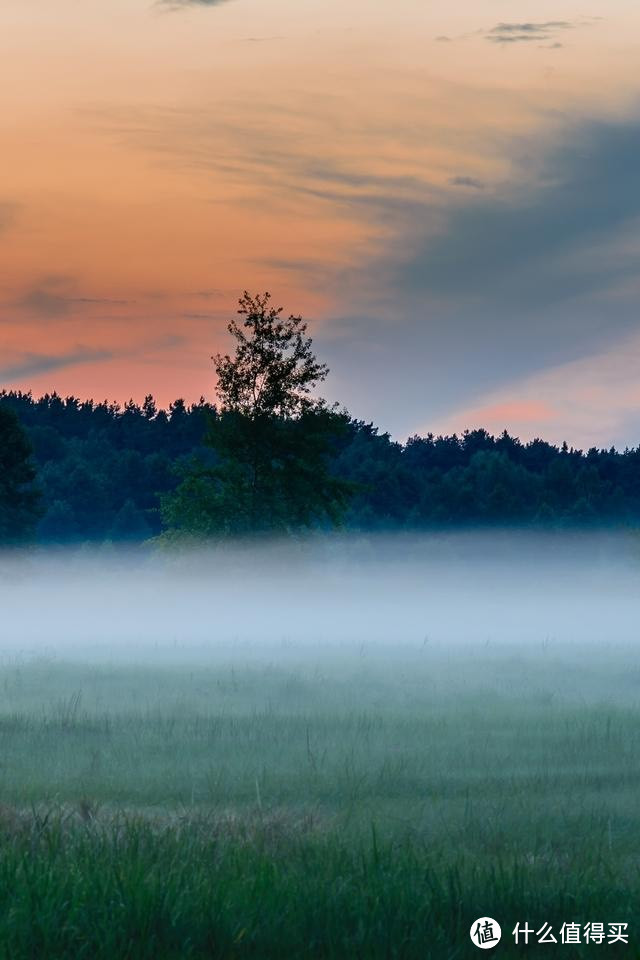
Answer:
[(280, 600), (330, 748)]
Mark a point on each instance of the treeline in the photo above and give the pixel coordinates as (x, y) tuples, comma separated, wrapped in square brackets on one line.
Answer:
[(102, 471)]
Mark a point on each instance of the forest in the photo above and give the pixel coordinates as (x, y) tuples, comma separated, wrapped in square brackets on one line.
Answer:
[(101, 471), (272, 458)]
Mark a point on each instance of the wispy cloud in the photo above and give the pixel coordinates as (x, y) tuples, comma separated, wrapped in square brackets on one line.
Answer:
[(528, 31), (177, 4), (471, 182), (33, 364), (52, 297), (525, 31), (48, 298), (261, 39), (533, 269), (208, 294), (8, 213), (101, 300)]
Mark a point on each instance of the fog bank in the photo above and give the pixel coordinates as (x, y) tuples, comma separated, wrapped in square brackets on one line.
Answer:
[(326, 592)]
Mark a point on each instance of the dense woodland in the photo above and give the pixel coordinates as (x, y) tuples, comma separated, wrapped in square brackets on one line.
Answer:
[(101, 470)]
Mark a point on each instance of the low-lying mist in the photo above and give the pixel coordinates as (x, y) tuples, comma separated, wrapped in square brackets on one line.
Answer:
[(284, 599)]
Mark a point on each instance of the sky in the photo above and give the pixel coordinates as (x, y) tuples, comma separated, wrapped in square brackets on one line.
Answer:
[(449, 193)]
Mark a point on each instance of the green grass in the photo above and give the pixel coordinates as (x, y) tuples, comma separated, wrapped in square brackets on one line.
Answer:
[(332, 804)]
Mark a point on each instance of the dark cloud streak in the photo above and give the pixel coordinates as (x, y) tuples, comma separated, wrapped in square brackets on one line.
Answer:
[(50, 298), (510, 28), (182, 4), (531, 243), (497, 285), (45, 301), (471, 182), (33, 364), (100, 300), (528, 31)]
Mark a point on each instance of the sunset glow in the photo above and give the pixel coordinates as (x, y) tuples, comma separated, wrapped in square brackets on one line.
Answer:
[(449, 193)]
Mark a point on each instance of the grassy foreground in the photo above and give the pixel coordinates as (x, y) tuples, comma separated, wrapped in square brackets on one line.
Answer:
[(345, 804)]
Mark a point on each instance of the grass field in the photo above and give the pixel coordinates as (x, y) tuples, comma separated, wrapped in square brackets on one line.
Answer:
[(354, 802)]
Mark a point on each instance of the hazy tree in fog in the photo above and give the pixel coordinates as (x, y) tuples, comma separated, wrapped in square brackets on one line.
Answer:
[(19, 497), (272, 438)]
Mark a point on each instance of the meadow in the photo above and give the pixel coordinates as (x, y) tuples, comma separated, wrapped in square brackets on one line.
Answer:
[(363, 800)]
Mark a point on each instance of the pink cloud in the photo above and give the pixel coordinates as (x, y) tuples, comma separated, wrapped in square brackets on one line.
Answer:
[(524, 411), (593, 401)]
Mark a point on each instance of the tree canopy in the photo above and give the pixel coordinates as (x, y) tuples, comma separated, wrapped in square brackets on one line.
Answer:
[(271, 438), (103, 470), (273, 370), (19, 496)]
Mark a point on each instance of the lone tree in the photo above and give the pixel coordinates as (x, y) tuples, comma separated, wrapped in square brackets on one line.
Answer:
[(273, 370), (19, 497), (271, 438)]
